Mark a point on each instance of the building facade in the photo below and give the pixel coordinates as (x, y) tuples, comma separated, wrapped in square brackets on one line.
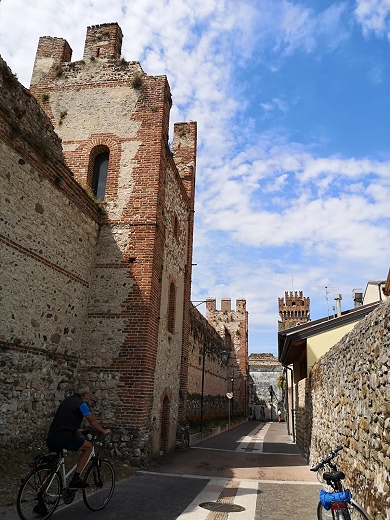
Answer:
[(97, 290), (96, 231)]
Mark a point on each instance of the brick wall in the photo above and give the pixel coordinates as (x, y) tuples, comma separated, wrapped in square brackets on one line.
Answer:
[(184, 152), (104, 102)]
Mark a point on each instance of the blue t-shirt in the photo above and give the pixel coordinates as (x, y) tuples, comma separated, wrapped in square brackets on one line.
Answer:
[(84, 409)]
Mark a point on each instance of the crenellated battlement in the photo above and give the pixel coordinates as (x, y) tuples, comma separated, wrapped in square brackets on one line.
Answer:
[(103, 41), (294, 309)]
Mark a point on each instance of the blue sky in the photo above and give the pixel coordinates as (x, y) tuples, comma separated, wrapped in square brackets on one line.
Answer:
[(292, 103)]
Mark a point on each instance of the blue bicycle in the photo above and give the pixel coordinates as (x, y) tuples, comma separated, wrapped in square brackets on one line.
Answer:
[(337, 504)]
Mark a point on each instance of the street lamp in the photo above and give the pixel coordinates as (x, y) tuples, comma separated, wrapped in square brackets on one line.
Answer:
[(230, 398), (224, 355)]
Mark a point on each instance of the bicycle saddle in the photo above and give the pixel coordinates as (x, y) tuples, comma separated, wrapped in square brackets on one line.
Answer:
[(334, 475), (46, 457)]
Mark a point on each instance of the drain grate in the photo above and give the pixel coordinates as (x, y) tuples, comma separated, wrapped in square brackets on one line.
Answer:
[(221, 507)]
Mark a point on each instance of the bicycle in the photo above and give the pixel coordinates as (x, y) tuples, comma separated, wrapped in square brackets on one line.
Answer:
[(338, 504), (43, 487)]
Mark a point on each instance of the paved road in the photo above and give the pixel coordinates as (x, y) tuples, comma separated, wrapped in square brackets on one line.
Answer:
[(252, 472)]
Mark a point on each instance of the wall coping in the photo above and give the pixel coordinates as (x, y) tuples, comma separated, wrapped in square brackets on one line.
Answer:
[(195, 437)]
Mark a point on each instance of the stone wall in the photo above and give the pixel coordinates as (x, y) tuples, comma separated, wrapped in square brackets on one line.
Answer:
[(48, 234), (350, 388), (203, 335), (303, 416), (86, 284), (232, 325), (264, 372), (104, 103)]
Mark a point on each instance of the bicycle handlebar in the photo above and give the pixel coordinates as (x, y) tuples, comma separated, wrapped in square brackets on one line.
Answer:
[(90, 432), (325, 461)]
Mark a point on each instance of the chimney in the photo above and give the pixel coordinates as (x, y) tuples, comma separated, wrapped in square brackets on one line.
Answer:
[(357, 297), (338, 298)]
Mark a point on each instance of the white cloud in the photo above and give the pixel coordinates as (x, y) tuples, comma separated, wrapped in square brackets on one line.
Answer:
[(292, 27), (268, 209), (374, 15)]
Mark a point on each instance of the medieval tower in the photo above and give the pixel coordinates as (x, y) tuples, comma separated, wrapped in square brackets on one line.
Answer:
[(118, 272), (232, 325), (294, 309)]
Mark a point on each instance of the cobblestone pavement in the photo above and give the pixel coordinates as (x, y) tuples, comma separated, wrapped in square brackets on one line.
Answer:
[(251, 472)]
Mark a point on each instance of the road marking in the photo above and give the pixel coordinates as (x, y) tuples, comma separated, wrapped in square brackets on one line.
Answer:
[(178, 475), (221, 479), (248, 451), (255, 439), (210, 493), (246, 497)]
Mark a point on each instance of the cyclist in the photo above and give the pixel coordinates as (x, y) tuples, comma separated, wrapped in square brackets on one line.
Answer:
[(64, 432)]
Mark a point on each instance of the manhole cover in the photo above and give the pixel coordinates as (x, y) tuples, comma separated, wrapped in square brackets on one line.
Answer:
[(223, 508)]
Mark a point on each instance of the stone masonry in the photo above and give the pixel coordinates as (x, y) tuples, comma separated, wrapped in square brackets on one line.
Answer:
[(264, 373), (232, 325), (206, 345), (347, 402), (48, 232), (95, 291)]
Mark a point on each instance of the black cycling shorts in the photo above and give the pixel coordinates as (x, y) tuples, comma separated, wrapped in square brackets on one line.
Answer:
[(73, 443)]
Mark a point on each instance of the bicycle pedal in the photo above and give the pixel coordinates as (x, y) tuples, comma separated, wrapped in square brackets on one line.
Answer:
[(68, 495)]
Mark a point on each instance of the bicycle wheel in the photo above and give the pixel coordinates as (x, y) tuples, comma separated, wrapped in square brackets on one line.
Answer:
[(101, 479), (39, 494), (352, 512)]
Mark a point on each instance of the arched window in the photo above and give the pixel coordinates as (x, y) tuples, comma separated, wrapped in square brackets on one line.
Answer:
[(99, 179), (171, 308)]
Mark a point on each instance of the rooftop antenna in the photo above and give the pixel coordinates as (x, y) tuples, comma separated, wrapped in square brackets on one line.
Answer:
[(292, 281), (327, 300)]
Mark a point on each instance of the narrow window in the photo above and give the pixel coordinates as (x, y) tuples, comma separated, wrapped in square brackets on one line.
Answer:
[(171, 308), (99, 179)]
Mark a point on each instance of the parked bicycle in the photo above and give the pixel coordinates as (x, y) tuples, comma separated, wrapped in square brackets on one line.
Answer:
[(338, 503), (44, 486)]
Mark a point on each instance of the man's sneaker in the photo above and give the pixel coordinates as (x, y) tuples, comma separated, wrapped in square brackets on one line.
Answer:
[(78, 484)]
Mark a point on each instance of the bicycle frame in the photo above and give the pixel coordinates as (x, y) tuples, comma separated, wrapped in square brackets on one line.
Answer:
[(60, 469), (65, 474), (47, 483)]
